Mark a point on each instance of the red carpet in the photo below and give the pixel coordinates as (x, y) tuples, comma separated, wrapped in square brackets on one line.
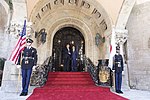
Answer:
[(72, 86)]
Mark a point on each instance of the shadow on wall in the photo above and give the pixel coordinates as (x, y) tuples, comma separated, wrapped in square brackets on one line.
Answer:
[(2, 62)]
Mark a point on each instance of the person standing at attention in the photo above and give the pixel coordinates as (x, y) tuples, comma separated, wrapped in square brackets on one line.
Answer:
[(27, 60), (118, 68)]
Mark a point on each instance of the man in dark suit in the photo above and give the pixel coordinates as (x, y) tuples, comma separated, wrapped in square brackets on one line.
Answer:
[(67, 57), (118, 67), (27, 60), (74, 56)]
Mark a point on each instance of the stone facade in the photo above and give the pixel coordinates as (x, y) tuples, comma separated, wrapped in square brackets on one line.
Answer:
[(90, 18), (138, 50)]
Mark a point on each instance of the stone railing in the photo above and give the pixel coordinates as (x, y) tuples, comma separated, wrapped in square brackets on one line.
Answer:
[(39, 76)]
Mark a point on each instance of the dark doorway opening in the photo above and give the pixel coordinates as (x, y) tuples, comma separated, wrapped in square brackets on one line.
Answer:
[(73, 37)]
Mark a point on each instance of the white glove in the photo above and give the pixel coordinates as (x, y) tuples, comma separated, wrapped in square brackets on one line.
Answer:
[(34, 68), (18, 66), (113, 70), (123, 73)]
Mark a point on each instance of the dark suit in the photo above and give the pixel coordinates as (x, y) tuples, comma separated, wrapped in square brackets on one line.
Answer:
[(67, 58), (27, 59), (118, 67), (74, 57)]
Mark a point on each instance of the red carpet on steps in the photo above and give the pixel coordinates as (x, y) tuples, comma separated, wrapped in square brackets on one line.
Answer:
[(72, 86)]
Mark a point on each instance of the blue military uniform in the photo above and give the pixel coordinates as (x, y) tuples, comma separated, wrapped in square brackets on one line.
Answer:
[(118, 67), (27, 59)]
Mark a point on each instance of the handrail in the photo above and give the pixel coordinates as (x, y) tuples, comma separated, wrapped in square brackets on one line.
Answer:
[(101, 74), (91, 69), (39, 76)]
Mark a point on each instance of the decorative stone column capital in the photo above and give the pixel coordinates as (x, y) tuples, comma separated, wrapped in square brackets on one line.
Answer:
[(16, 27), (121, 36)]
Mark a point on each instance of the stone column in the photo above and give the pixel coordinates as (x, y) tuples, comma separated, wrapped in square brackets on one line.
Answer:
[(120, 38)]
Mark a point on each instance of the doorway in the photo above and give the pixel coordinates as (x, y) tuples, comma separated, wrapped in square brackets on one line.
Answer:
[(73, 37)]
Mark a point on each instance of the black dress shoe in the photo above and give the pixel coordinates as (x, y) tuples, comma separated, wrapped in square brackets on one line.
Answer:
[(25, 94), (22, 94), (120, 92), (117, 91)]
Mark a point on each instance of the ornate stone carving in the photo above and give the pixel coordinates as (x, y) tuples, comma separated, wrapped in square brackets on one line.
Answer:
[(82, 5), (121, 36), (16, 28)]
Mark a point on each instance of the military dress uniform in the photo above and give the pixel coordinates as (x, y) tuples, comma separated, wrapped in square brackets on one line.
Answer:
[(118, 67), (27, 59)]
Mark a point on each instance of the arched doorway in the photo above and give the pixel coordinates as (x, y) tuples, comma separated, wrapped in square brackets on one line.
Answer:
[(64, 36)]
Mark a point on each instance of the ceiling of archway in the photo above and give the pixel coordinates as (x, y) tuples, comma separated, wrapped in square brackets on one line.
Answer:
[(112, 8)]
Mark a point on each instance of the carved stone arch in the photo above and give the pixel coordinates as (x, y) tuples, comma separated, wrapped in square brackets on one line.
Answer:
[(84, 19), (83, 29), (92, 11), (5, 5)]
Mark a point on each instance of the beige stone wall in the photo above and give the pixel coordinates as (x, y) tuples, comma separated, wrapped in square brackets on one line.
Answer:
[(138, 46), (3, 24), (3, 18)]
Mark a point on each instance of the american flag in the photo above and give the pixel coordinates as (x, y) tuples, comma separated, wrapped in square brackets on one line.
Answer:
[(19, 45)]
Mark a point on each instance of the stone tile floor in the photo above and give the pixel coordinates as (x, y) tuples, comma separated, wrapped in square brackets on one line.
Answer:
[(128, 93)]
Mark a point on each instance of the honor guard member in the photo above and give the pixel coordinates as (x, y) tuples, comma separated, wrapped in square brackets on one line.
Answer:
[(27, 60), (118, 67)]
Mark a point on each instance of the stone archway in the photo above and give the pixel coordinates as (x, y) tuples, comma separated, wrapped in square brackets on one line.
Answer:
[(66, 22), (3, 18), (77, 24), (84, 16)]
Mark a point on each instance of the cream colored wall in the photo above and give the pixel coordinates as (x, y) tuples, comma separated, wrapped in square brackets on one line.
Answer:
[(111, 7), (30, 5), (141, 1)]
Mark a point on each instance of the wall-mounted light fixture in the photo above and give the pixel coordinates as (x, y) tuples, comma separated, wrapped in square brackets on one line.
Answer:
[(99, 39), (41, 35)]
